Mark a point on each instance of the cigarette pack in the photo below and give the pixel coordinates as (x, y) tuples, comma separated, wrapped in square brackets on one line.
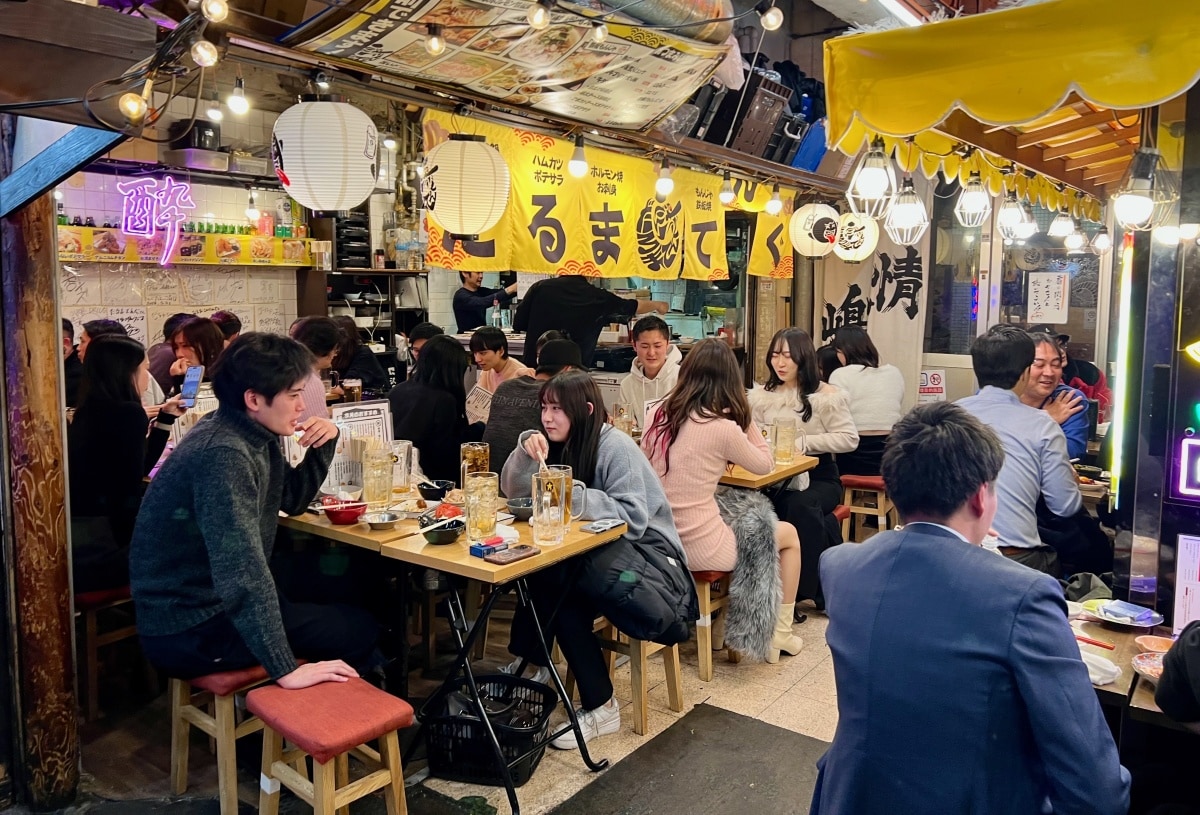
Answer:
[(488, 547)]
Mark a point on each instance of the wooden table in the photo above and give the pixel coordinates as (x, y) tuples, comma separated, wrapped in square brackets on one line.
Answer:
[(359, 534), (741, 477), (1115, 693), (1143, 708)]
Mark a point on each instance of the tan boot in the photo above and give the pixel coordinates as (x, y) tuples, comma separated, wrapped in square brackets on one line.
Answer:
[(784, 640)]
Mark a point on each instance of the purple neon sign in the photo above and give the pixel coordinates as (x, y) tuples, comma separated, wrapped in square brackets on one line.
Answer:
[(1189, 468), (151, 204)]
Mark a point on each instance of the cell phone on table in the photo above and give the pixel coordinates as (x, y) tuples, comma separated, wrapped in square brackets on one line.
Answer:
[(602, 525), (512, 554), (191, 384)]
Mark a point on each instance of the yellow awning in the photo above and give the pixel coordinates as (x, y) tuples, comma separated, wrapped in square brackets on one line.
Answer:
[(1005, 68)]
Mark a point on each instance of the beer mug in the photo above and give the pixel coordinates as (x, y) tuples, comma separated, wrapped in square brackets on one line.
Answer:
[(473, 457), (768, 434), (352, 388), (785, 441), (401, 466), (622, 417), (377, 477), (481, 491), (553, 500)]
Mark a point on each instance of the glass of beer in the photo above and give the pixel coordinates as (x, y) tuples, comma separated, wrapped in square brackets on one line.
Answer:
[(785, 441), (553, 491), (401, 466), (352, 388), (768, 434), (473, 457), (481, 492), (622, 417), (377, 477)]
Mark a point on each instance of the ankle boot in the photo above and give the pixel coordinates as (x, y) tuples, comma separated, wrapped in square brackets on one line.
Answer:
[(784, 640)]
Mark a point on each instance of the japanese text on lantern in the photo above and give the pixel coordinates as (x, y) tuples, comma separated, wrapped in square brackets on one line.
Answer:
[(150, 204)]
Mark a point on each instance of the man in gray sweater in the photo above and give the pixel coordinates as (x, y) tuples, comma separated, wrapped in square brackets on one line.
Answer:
[(198, 561)]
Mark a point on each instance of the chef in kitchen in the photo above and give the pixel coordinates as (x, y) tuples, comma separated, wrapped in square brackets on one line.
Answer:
[(472, 301)]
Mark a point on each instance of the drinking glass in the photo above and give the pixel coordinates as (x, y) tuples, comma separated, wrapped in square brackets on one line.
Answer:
[(553, 491), (785, 441), (401, 466), (352, 389), (623, 417), (481, 492), (768, 434), (377, 477), (473, 457)]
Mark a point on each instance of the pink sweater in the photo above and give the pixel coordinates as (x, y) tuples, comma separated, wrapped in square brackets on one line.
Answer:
[(698, 458)]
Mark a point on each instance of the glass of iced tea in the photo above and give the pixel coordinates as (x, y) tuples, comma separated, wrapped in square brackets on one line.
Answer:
[(377, 477), (401, 466), (474, 457), (352, 388)]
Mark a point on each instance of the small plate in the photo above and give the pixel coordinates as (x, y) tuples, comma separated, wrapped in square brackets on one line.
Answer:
[(1094, 609), (1149, 666)]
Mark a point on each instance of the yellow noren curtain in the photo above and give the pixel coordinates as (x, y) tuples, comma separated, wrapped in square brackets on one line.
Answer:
[(1009, 67)]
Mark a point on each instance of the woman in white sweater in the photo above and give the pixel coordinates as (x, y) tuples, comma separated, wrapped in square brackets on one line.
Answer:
[(794, 390), (875, 392)]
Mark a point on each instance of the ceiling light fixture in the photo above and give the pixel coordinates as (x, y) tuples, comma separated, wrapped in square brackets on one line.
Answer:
[(215, 11), (1146, 192), (435, 42), (774, 205), (770, 16), (133, 106), (322, 80), (726, 195), (665, 185), (538, 15), (1101, 242), (252, 212), (1062, 225), (974, 204), (1076, 240), (214, 112), (236, 101), (578, 165), (907, 219), (873, 183), (204, 53)]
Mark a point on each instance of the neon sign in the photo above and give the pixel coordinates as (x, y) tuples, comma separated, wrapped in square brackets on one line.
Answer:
[(150, 204), (1189, 468)]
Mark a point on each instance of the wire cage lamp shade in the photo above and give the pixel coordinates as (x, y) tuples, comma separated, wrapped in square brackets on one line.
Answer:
[(1147, 192), (465, 186), (907, 218), (873, 184), (974, 203)]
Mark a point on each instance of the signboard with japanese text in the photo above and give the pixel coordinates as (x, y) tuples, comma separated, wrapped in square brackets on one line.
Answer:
[(932, 387), (80, 243), (629, 81), (1049, 297), (609, 223), (771, 248)]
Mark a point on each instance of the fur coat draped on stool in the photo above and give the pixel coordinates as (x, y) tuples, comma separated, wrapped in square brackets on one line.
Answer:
[(755, 589)]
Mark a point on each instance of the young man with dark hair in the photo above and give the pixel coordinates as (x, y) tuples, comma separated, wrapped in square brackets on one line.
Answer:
[(656, 368), (472, 301), (985, 710), (72, 364), (1036, 464), (229, 323), (421, 334), (489, 348), (202, 586), (162, 354), (321, 336)]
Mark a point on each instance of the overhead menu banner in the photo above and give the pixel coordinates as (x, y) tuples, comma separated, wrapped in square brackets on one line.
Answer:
[(609, 223), (629, 81), (771, 248)]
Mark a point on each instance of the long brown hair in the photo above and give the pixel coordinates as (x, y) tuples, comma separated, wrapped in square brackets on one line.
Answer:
[(709, 387), (808, 374), (573, 391)]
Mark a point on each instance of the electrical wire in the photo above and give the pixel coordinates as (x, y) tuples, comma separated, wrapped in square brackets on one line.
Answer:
[(746, 84)]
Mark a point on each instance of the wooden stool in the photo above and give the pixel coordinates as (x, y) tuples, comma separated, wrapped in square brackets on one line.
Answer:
[(639, 653), (875, 502), (221, 725), (712, 588), (330, 721), (842, 514), (88, 606)]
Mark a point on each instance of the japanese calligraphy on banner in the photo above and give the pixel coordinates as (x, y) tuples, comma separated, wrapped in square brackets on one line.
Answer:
[(629, 81), (607, 224), (1049, 297), (771, 250)]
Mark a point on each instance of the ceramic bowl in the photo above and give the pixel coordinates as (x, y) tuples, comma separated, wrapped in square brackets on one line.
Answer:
[(521, 508), (342, 492), (345, 513), (436, 492), (1153, 644), (382, 520)]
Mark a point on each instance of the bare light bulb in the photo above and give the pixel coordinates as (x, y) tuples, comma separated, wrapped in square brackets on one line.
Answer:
[(435, 43), (578, 165), (237, 102), (1102, 242), (1075, 241), (1134, 207), (872, 182), (726, 195), (771, 19), (665, 185), (215, 11), (204, 53), (389, 142), (132, 106), (599, 33), (214, 112), (1167, 235), (774, 205), (538, 15)]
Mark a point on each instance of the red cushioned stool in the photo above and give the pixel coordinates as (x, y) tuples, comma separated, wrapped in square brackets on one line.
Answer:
[(89, 606), (712, 589), (328, 722), (208, 704), (874, 502)]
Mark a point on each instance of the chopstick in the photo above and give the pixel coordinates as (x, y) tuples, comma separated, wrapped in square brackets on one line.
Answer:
[(542, 459), (1100, 643)]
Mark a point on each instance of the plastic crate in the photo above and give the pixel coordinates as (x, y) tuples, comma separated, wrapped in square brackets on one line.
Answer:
[(457, 745)]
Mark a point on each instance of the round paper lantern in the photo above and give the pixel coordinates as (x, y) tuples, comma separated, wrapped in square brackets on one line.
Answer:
[(465, 185), (857, 237), (813, 230), (325, 154)]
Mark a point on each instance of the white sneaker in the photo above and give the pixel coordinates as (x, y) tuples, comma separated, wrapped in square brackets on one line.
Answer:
[(540, 675), (603, 721)]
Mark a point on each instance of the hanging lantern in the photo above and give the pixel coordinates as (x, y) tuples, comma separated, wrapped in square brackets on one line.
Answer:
[(1102, 242), (907, 219), (1147, 191), (974, 204), (813, 230), (465, 186), (873, 184), (325, 154), (1062, 225), (857, 238)]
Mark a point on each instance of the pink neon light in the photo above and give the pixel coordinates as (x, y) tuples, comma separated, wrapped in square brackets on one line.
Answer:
[(1189, 457), (152, 204)]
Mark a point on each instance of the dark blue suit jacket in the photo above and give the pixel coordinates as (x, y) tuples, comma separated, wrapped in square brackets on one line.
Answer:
[(959, 684)]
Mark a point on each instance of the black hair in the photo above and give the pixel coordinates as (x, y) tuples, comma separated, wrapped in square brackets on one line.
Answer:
[(424, 331), (572, 391), (443, 365), (171, 324), (228, 322), (98, 328), (547, 336), (1001, 356), (827, 361), (489, 338), (348, 345), (320, 335), (68, 328), (808, 375), (108, 370), (1042, 338), (936, 457), (856, 346), (204, 336), (650, 322), (267, 364)]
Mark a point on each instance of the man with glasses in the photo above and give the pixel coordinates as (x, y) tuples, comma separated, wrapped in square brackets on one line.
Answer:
[(1046, 391)]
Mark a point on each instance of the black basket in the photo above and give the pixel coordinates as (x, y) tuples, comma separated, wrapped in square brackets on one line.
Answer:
[(457, 745)]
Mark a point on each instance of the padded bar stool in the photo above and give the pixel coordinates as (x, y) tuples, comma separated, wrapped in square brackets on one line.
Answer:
[(88, 607), (873, 502)]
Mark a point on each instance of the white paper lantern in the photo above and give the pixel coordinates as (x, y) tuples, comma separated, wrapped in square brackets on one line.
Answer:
[(465, 185), (857, 237), (813, 229), (325, 154)]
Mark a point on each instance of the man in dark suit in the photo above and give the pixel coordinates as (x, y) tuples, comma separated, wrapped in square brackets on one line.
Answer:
[(959, 683)]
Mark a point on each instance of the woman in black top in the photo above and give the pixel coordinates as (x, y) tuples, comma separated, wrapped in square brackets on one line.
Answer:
[(109, 453), (199, 341), (354, 360), (430, 409)]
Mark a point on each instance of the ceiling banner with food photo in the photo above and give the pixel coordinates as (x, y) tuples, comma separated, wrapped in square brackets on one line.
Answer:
[(771, 248), (630, 80)]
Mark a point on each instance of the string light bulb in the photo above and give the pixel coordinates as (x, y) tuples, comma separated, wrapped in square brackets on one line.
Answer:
[(665, 185), (578, 165), (770, 18), (726, 195), (774, 205), (435, 42), (237, 102), (215, 11), (133, 106), (1101, 241), (538, 15), (599, 33), (252, 212), (58, 196), (214, 112), (389, 142), (974, 205), (204, 53)]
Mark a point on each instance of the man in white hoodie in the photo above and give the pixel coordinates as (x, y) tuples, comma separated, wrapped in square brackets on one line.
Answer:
[(656, 368)]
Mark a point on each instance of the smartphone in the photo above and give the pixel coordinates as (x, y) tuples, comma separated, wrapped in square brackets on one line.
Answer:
[(602, 525), (191, 384), (515, 553)]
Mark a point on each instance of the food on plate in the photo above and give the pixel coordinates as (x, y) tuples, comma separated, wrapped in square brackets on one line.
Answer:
[(1083, 479), (1149, 666), (445, 510), (413, 55), (150, 247), (260, 248), (546, 47), (508, 78), (465, 67), (498, 40), (455, 13), (455, 497), (228, 247), (108, 243), (581, 65), (69, 242), (293, 250), (412, 505)]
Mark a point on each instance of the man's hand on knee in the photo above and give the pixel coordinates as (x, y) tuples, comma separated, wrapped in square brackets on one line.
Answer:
[(314, 673)]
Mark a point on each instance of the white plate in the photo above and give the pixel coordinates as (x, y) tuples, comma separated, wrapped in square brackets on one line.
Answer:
[(1099, 614)]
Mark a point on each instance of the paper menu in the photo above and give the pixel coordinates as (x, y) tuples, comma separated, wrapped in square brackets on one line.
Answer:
[(356, 421), (1187, 582), (479, 405)]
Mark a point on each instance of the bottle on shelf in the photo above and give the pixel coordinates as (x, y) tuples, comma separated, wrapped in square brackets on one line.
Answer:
[(77, 221), (283, 217), (496, 320), (91, 222), (62, 215)]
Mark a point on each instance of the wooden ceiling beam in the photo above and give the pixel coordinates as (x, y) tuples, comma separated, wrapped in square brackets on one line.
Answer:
[(1112, 137), (959, 125), (1111, 153), (1059, 129), (1105, 170)]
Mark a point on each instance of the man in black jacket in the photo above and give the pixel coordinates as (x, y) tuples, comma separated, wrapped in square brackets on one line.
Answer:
[(472, 301)]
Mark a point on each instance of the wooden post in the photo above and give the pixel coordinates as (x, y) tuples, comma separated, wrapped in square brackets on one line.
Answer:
[(33, 515)]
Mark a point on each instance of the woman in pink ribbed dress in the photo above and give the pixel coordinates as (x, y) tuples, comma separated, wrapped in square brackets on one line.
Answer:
[(705, 424)]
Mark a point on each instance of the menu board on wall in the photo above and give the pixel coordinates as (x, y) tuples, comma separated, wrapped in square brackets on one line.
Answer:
[(80, 243)]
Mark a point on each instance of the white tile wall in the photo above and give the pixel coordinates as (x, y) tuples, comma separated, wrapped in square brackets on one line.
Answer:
[(442, 285)]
